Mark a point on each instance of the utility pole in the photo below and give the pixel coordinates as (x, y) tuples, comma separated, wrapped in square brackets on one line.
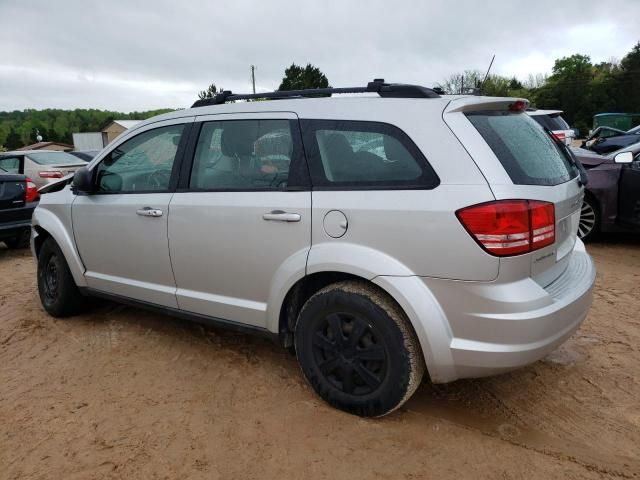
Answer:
[(253, 77)]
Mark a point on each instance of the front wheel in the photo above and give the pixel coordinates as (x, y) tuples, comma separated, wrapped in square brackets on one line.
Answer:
[(357, 349), (59, 294)]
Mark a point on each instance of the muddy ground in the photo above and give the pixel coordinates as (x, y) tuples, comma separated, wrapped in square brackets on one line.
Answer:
[(122, 393)]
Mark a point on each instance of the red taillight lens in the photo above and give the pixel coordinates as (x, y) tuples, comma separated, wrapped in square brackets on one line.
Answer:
[(510, 227), (560, 136), (31, 191), (519, 106), (50, 174), (543, 224)]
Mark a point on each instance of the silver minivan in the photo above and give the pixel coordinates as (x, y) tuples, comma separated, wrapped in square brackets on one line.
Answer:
[(378, 235)]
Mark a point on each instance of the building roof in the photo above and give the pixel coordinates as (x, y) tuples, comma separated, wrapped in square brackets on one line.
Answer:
[(126, 123), (44, 145)]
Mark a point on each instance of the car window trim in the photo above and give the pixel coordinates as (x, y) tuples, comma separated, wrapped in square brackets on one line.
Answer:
[(175, 169), (299, 175), (309, 127)]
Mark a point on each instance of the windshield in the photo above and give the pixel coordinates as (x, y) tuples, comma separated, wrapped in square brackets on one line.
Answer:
[(526, 151), (53, 158)]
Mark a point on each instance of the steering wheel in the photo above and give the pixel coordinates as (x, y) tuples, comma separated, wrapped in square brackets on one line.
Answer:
[(159, 179)]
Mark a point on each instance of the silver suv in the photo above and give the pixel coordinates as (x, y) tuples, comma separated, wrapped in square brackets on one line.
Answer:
[(377, 235)]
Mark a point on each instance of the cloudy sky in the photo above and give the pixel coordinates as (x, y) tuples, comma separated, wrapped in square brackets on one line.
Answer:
[(142, 54)]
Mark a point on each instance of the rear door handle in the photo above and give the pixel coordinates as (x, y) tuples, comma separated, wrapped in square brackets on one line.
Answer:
[(149, 212), (280, 216)]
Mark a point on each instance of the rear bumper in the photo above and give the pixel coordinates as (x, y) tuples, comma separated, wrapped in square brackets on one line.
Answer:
[(487, 328)]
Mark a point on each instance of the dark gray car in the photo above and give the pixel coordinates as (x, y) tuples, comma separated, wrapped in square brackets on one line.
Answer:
[(612, 196)]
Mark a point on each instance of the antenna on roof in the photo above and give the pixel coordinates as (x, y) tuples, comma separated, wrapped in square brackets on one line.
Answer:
[(487, 74)]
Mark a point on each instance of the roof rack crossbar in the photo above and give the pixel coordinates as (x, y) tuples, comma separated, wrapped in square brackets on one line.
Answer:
[(394, 90)]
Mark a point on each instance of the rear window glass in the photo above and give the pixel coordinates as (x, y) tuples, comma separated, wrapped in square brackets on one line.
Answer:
[(552, 122), (526, 151), (53, 158)]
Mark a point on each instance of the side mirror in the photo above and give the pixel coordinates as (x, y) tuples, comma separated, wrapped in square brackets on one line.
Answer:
[(623, 157), (82, 182)]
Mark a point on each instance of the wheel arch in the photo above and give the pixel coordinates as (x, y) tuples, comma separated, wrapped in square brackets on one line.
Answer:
[(47, 225)]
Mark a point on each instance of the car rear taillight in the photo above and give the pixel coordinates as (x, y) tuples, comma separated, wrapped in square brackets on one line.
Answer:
[(560, 136), (51, 174), (510, 227), (31, 191)]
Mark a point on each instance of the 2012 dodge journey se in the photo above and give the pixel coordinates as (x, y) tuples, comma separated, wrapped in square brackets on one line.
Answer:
[(377, 234)]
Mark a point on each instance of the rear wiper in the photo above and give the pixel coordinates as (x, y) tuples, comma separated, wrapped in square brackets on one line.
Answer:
[(583, 177)]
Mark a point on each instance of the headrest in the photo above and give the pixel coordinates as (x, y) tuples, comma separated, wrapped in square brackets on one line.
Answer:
[(337, 146), (238, 138), (393, 149)]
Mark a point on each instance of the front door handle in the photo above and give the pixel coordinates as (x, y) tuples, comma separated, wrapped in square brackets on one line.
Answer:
[(149, 212), (280, 216)]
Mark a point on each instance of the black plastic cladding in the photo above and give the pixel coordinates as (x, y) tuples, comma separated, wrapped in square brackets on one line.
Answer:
[(389, 90)]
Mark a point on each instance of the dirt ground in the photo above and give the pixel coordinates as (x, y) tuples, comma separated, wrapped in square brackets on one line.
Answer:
[(122, 393)]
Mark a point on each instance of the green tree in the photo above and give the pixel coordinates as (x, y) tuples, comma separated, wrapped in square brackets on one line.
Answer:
[(210, 92), (300, 78), (13, 140)]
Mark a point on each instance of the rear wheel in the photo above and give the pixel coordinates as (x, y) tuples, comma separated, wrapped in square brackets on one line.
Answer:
[(59, 294), (19, 241), (589, 224), (357, 349)]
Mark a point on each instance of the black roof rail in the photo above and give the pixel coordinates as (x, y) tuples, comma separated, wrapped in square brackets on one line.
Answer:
[(387, 90)]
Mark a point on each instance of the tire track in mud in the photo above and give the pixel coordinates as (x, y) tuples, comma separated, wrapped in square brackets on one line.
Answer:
[(513, 430)]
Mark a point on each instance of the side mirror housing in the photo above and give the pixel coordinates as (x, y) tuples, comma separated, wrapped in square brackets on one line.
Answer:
[(623, 157), (82, 182)]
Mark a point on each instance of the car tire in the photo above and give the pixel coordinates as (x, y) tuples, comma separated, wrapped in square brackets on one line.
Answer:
[(357, 349), (589, 224), (19, 241), (59, 294)]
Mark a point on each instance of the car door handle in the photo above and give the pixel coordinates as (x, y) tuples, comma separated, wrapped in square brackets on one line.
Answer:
[(280, 216), (149, 212)]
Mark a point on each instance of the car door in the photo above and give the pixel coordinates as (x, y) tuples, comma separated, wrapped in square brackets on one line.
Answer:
[(629, 194), (241, 220), (121, 229)]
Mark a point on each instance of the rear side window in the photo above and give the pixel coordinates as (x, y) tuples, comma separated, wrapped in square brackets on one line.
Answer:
[(552, 122), (246, 155), (351, 154), (526, 151)]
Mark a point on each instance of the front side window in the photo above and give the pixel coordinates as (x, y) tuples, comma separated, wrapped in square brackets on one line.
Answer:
[(244, 155), (364, 155), (528, 153), (141, 164)]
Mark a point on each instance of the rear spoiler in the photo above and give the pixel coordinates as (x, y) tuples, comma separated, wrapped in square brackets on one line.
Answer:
[(474, 104)]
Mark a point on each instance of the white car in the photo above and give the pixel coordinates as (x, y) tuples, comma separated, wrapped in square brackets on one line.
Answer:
[(553, 120), (378, 236), (41, 166)]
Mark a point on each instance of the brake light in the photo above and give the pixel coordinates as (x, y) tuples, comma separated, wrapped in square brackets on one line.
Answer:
[(31, 191), (510, 227), (519, 106), (560, 136), (51, 174)]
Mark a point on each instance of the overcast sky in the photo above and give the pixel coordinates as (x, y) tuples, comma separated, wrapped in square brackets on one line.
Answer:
[(130, 55)]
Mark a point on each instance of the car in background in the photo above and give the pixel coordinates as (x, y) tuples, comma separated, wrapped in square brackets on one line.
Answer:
[(612, 196), (18, 198), (41, 166), (604, 140), (86, 155), (555, 123)]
